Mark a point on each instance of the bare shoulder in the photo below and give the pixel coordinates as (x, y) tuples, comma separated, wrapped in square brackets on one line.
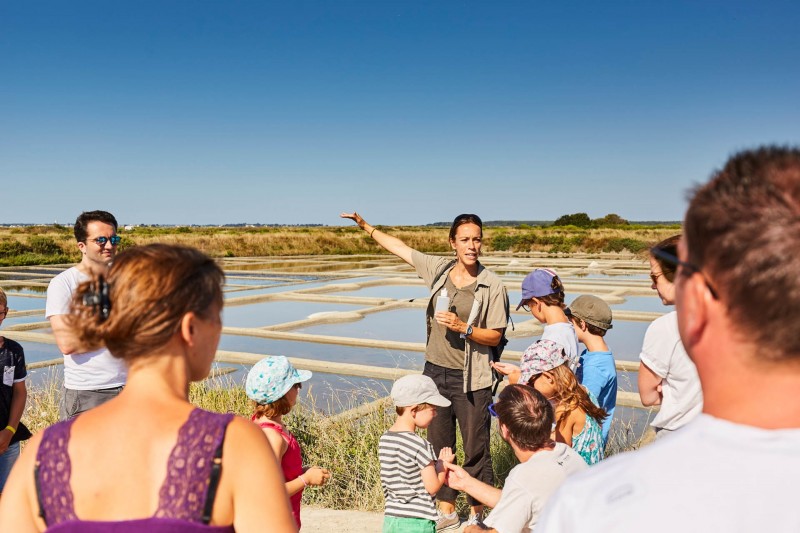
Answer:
[(18, 506)]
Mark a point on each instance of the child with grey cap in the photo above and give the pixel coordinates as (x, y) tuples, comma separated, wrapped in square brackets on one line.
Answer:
[(411, 475), (591, 317)]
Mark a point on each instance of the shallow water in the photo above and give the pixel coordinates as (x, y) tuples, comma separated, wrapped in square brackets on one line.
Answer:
[(269, 276)]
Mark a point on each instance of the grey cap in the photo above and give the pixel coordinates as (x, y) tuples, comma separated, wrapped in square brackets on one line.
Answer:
[(415, 389), (592, 310)]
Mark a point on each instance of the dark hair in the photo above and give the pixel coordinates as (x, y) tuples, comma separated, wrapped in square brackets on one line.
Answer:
[(591, 328), (743, 230), (527, 414), (90, 216), (462, 219), (557, 296), (149, 290), (669, 245)]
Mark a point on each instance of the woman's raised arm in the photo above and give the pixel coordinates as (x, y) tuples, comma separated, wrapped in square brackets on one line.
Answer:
[(389, 243)]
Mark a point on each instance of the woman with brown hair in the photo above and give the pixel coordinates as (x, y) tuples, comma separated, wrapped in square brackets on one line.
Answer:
[(667, 377), (148, 459), (459, 350)]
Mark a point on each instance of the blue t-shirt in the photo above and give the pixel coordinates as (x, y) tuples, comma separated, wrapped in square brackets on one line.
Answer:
[(598, 374)]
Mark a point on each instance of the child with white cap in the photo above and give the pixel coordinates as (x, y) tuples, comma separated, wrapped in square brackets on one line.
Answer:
[(411, 475), (273, 384)]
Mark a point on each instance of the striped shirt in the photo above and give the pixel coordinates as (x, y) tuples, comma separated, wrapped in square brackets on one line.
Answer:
[(403, 455)]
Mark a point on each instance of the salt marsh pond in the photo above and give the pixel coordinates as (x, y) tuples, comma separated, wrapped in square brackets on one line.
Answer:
[(357, 321)]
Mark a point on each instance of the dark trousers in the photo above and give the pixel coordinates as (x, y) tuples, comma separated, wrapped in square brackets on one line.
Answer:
[(471, 411)]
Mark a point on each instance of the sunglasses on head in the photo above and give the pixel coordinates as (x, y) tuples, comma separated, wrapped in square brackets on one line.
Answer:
[(689, 267), (115, 240), (491, 409)]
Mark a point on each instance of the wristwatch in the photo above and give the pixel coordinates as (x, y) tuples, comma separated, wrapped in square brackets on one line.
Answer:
[(467, 333)]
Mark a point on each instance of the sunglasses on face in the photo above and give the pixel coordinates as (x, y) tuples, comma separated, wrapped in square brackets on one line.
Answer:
[(115, 240), (684, 265)]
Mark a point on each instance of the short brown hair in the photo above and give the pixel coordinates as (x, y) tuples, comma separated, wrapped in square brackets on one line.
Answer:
[(3, 298), (527, 414), (591, 328), (279, 407), (669, 245), (150, 288), (418, 407), (743, 230), (84, 218)]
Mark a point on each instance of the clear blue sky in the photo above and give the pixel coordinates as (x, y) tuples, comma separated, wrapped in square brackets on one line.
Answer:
[(409, 112)]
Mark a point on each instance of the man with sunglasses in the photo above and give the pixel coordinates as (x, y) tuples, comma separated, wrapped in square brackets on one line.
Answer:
[(92, 376), (734, 467)]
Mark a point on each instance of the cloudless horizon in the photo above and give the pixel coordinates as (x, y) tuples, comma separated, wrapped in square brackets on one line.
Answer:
[(178, 112)]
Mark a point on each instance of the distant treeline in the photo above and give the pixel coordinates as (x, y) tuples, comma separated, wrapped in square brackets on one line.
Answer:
[(579, 220)]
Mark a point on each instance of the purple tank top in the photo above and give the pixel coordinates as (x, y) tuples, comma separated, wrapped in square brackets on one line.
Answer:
[(182, 497)]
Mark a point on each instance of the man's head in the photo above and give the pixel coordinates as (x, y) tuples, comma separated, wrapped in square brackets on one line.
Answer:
[(96, 233), (525, 417), (740, 250)]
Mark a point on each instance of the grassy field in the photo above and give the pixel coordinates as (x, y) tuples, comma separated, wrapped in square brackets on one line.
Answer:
[(346, 446), (39, 245)]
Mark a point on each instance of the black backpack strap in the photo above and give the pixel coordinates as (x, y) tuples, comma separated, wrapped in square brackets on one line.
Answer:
[(38, 486), (213, 481)]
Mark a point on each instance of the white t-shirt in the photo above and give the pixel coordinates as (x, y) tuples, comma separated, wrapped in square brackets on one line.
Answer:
[(563, 333), (663, 353), (712, 475), (82, 371), (528, 487)]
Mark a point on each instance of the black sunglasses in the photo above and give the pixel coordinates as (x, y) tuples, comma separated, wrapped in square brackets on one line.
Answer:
[(689, 267), (115, 240)]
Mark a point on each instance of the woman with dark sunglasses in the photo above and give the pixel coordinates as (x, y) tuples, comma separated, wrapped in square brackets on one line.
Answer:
[(667, 377), (458, 352)]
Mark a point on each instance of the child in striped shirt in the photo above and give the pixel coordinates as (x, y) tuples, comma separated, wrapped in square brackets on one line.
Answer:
[(411, 475)]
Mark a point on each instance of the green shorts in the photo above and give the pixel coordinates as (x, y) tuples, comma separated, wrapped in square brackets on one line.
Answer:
[(396, 524)]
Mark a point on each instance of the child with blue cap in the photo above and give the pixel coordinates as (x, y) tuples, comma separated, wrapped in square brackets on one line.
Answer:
[(273, 384)]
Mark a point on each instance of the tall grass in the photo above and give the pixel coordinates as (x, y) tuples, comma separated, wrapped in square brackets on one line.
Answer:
[(348, 446), (50, 245)]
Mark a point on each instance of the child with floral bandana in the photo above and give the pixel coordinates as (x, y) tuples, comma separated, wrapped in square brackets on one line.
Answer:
[(545, 367)]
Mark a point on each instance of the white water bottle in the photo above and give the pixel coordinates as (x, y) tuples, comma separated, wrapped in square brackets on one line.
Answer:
[(442, 302)]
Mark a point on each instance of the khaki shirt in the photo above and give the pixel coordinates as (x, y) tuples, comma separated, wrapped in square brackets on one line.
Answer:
[(490, 311)]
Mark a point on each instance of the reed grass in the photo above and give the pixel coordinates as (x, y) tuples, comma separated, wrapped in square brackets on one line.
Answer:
[(40, 245), (347, 446)]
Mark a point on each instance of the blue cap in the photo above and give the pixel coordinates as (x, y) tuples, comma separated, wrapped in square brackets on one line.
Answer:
[(537, 284)]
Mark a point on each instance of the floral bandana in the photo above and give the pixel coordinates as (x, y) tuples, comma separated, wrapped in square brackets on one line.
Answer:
[(271, 378), (539, 357)]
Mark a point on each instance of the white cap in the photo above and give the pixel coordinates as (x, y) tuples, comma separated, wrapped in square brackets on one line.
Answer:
[(416, 389)]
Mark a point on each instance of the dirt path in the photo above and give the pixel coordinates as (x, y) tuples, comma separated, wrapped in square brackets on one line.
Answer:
[(318, 520)]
